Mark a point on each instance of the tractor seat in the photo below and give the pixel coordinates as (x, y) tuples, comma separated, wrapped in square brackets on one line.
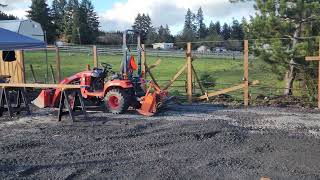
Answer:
[(98, 73)]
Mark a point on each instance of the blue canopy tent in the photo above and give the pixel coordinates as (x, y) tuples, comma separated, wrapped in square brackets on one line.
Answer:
[(11, 41)]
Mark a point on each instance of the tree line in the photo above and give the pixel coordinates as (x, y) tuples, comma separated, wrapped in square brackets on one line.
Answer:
[(68, 20), (277, 30), (194, 30)]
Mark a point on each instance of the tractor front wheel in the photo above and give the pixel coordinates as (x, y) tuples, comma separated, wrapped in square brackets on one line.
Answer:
[(117, 101)]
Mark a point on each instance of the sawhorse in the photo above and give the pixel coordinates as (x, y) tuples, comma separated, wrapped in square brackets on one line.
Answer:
[(65, 103), (22, 103)]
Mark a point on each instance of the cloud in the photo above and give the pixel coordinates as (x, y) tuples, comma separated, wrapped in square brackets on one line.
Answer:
[(171, 12), (16, 7)]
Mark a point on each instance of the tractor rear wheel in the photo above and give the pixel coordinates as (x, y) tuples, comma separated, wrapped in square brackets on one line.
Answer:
[(117, 101)]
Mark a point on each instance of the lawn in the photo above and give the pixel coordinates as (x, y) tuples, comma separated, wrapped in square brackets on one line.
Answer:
[(226, 72)]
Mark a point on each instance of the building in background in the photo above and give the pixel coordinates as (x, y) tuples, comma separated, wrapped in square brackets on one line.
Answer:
[(164, 46), (203, 49), (27, 28)]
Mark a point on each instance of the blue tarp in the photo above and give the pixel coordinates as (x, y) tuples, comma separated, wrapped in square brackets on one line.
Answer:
[(10, 41)]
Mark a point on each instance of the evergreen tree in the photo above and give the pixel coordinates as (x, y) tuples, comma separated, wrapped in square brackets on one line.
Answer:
[(143, 24), (214, 28), (4, 16), (226, 32), (89, 23), (213, 35), (164, 34), (202, 29), (218, 27), (40, 13), (245, 28), (72, 22), (58, 13), (236, 30), (152, 36), (290, 19), (189, 30)]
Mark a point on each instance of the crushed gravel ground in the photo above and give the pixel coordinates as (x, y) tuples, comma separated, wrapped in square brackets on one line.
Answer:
[(186, 142)]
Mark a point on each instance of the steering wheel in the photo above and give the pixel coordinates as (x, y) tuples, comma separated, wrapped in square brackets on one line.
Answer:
[(106, 66)]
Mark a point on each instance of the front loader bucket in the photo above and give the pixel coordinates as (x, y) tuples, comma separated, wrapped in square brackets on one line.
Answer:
[(44, 99)]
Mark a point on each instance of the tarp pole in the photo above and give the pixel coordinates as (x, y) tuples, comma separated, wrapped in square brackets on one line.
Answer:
[(47, 63)]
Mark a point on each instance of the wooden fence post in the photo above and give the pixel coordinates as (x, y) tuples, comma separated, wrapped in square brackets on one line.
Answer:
[(95, 56), (22, 66), (143, 61), (189, 72), (58, 65), (246, 74)]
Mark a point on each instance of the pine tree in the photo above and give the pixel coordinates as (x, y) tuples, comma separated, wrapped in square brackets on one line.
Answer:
[(218, 27), (58, 13), (214, 28), (226, 32), (40, 13), (75, 36), (152, 36), (4, 16), (189, 30), (290, 19), (202, 29), (236, 30), (89, 23), (143, 24), (72, 22), (164, 34)]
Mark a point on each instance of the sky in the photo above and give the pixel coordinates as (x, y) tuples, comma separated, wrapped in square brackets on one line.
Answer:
[(120, 14)]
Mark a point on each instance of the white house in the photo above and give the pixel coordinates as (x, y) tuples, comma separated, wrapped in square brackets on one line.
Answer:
[(27, 28), (164, 46)]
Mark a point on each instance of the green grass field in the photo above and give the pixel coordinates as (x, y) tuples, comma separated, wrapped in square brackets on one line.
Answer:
[(227, 72)]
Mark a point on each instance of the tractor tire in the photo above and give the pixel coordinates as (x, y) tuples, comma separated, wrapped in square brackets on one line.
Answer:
[(117, 101)]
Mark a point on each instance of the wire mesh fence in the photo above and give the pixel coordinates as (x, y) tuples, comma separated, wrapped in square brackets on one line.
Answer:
[(218, 65)]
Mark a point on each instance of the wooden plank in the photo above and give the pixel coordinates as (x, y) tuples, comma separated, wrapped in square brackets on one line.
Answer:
[(175, 77), (224, 91), (313, 58), (58, 86), (58, 64), (22, 67), (95, 56), (189, 73), (157, 63), (227, 90), (151, 76), (143, 61), (246, 74)]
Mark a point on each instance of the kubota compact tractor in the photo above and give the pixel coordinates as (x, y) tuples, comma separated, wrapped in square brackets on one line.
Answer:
[(117, 91)]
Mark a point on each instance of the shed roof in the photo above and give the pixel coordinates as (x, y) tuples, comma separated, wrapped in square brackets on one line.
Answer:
[(13, 41)]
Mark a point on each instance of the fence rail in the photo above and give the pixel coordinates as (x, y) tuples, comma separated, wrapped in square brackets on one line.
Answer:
[(152, 52)]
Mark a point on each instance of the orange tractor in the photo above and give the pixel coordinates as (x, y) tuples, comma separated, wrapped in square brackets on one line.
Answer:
[(118, 91)]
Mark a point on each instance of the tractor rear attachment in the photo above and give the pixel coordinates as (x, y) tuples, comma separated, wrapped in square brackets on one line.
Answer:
[(154, 100)]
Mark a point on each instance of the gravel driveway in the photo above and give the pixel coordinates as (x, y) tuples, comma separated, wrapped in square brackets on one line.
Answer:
[(197, 141)]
